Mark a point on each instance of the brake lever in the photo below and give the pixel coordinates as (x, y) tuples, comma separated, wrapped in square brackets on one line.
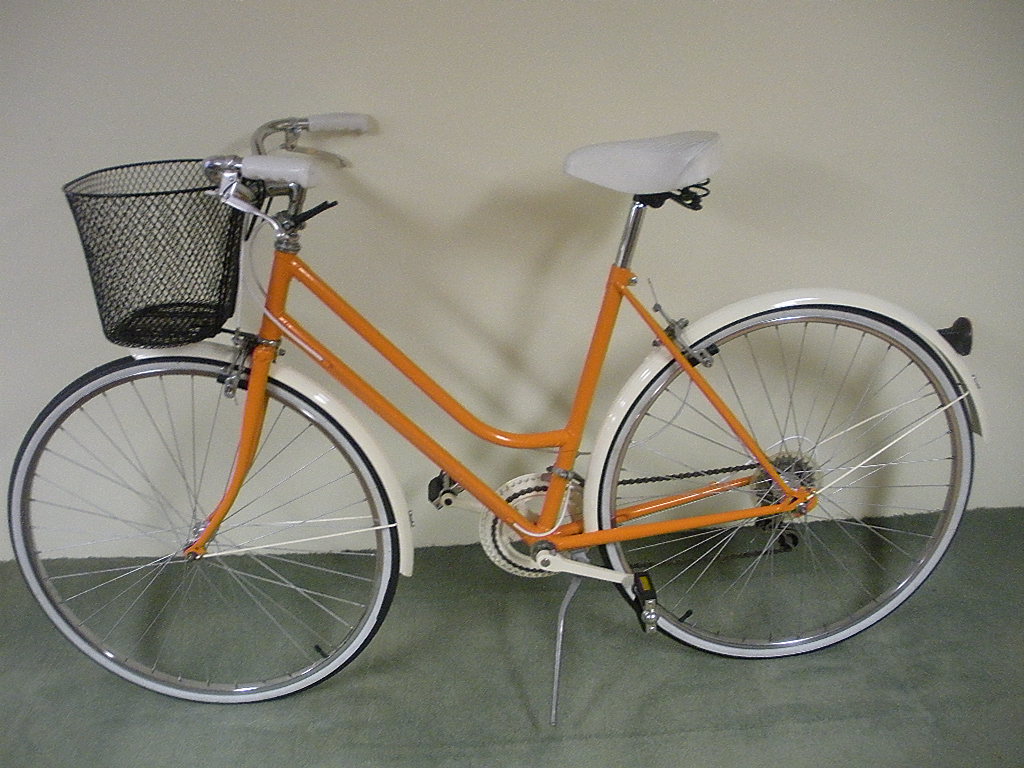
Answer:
[(320, 154), (305, 216)]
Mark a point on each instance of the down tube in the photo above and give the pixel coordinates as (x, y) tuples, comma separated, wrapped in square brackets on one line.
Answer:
[(289, 267)]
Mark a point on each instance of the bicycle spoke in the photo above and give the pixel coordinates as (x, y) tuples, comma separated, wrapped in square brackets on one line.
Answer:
[(323, 537), (295, 582), (841, 403)]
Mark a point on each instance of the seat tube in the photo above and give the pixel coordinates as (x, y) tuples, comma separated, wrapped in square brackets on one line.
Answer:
[(630, 234)]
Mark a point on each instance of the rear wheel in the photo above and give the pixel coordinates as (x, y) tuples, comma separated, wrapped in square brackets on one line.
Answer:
[(107, 490), (840, 401)]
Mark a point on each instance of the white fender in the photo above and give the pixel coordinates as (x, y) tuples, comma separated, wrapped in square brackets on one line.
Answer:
[(696, 331), (302, 383)]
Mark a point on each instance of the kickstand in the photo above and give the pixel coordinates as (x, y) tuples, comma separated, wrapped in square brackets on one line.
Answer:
[(570, 593)]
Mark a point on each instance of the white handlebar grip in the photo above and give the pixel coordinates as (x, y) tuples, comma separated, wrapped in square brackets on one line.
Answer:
[(351, 122), (298, 170)]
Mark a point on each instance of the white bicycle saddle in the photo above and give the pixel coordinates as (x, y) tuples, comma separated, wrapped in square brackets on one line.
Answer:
[(648, 166)]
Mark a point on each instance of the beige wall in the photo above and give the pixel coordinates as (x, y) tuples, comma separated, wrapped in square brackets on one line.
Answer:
[(873, 146)]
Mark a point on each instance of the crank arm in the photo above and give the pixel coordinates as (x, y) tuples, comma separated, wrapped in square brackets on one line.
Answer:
[(554, 562)]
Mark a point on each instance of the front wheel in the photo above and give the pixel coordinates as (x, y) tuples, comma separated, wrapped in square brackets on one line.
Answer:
[(109, 486), (839, 400)]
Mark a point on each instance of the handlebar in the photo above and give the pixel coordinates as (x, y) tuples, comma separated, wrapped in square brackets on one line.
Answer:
[(289, 175), (288, 170), (347, 122), (292, 127)]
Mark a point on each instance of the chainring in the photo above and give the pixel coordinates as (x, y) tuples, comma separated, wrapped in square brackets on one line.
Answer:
[(502, 544)]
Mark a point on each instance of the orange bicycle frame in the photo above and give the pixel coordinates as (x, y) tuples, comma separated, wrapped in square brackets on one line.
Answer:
[(288, 268)]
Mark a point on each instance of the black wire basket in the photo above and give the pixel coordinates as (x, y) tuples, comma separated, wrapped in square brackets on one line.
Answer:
[(162, 252)]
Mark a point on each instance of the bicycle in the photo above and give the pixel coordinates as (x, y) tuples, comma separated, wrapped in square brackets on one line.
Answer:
[(207, 523)]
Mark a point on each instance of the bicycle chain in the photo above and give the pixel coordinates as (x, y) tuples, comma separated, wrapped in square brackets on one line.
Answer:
[(687, 475), (652, 479), (526, 492)]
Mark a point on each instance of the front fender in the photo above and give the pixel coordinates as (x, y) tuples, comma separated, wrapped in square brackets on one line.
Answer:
[(732, 313), (307, 386)]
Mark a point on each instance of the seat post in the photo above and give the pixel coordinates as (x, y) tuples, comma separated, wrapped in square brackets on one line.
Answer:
[(630, 234)]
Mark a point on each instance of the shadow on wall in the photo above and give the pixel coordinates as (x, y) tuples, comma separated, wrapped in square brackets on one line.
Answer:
[(543, 238)]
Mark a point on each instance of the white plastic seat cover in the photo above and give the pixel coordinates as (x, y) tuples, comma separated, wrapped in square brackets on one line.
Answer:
[(648, 166)]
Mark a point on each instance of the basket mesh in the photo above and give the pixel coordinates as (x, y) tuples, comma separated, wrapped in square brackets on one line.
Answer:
[(162, 253)]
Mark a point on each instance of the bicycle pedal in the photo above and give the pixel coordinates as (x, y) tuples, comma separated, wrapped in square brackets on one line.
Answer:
[(442, 490), (646, 601)]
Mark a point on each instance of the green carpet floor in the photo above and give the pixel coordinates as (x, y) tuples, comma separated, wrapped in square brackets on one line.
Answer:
[(460, 675)]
